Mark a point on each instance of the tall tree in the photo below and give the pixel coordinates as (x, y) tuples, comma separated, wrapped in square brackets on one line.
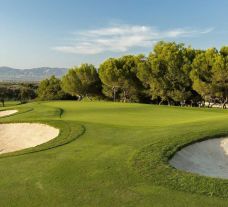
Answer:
[(3, 94), (50, 89), (109, 73), (166, 72), (120, 76), (202, 74), (82, 81), (220, 79), (25, 94)]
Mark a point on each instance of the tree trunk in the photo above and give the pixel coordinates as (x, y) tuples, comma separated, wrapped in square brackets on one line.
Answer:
[(88, 97), (213, 103), (79, 97), (3, 102), (224, 103), (209, 104), (182, 103), (124, 100), (202, 104), (114, 93), (161, 102)]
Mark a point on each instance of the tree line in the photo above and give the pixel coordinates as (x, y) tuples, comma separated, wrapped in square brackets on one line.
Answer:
[(171, 74), (22, 92)]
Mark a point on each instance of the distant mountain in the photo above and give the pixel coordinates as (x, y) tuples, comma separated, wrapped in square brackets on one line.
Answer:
[(34, 74)]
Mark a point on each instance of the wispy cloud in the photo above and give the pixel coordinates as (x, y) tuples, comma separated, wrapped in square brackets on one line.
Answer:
[(121, 38)]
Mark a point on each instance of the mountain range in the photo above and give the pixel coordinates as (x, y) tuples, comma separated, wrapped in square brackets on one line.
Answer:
[(34, 74)]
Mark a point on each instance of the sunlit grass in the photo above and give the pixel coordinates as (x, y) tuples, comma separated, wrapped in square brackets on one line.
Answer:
[(116, 155)]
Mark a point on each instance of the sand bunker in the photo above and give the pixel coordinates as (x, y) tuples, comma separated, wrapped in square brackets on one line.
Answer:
[(7, 112), (209, 158), (18, 136)]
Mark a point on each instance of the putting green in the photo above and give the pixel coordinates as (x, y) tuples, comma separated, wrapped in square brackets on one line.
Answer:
[(111, 154)]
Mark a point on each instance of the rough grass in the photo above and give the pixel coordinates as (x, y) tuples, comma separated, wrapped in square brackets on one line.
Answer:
[(10, 103), (116, 155)]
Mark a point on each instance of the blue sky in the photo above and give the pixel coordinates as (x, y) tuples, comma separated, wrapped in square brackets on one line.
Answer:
[(63, 33)]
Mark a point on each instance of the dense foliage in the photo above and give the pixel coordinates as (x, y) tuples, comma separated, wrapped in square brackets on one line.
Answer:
[(119, 78), (171, 74), (22, 92), (82, 81), (50, 89)]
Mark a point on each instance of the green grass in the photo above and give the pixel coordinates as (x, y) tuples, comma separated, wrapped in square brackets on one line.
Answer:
[(111, 154), (9, 103)]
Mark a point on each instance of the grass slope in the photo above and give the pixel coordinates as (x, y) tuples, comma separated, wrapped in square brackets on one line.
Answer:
[(111, 154)]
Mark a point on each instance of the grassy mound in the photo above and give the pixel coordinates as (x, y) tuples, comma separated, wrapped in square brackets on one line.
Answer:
[(152, 163)]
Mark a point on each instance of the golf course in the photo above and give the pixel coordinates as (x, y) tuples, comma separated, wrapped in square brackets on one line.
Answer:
[(110, 154)]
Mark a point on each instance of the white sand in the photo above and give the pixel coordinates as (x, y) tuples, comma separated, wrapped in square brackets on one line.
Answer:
[(18, 136), (7, 112), (208, 158)]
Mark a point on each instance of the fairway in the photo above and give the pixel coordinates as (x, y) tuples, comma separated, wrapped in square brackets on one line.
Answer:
[(111, 154)]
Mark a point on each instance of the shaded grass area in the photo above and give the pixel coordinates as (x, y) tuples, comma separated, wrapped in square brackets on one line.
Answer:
[(10, 103), (118, 159)]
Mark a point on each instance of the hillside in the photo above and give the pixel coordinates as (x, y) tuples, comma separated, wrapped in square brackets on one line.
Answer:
[(34, 74)]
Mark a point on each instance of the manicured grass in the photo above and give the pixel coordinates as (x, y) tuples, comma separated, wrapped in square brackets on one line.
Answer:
[(111, 154)]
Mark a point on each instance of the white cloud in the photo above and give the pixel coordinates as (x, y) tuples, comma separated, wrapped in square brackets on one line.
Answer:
[(121, 38)]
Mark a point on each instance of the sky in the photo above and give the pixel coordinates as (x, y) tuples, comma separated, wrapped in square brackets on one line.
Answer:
[(65, 33)]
